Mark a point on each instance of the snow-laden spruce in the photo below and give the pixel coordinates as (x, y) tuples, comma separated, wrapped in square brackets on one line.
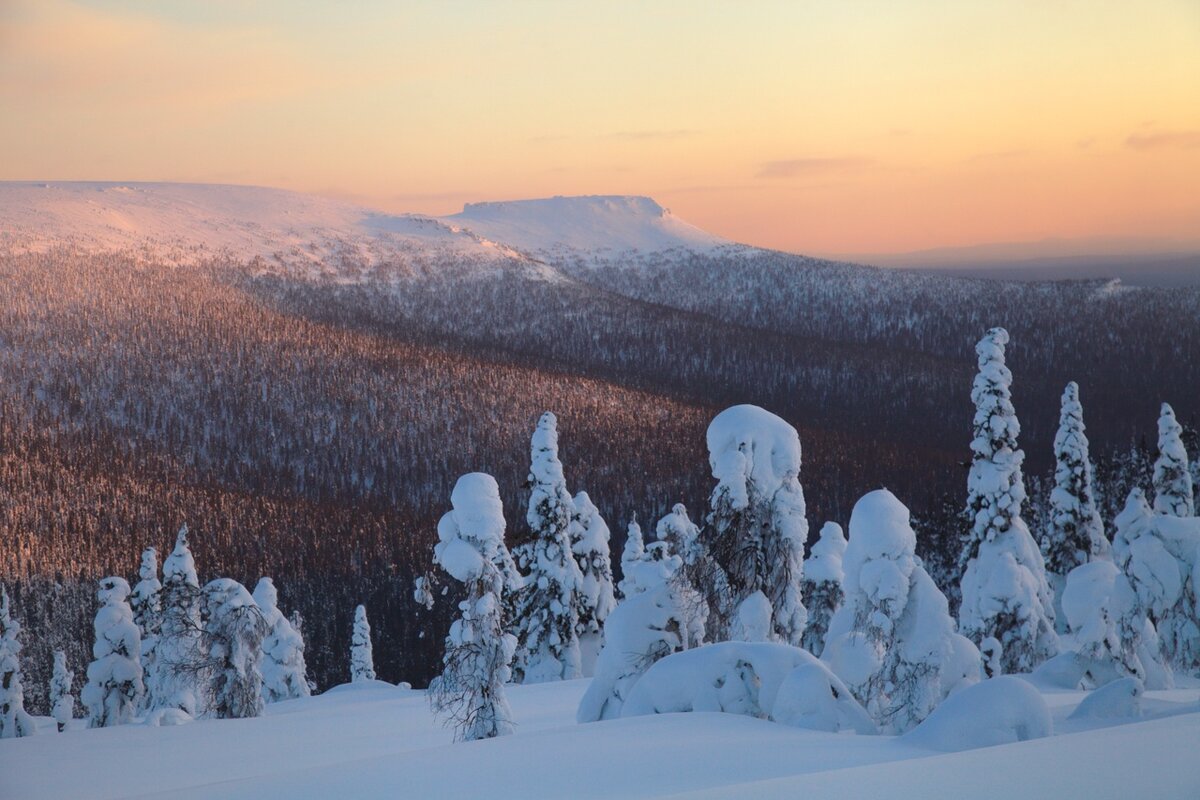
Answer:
[(756, 525), (1172, 477), (146, 602), (1005, 594), (14, 721), (682, 538), (478, 659), (234, 630), (177, 651), (362, 654), (115, 676), (632, 552), (1160, 555), (649, 624), (594, 600), (545, 620), (62, 701), (822, 585), (893, 641), (283, 668), (1076, 534)]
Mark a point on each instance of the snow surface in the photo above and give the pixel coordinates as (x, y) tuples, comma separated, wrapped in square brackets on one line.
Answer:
[(379, 741)]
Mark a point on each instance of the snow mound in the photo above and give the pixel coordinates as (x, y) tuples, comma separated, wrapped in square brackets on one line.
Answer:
[(1120, 699), (611, 223), (1001, 710)]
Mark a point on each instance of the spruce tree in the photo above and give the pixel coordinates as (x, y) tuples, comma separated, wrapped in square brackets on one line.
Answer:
[(545, 617), (1005, 593), (234, 630), (1172, 477), (283, 667), (114, 684), (590, 544), (822, 585), (1075, 534), (478, 658), (362, 654), (177, 651), (632, 552), (62, 701), (14, 721), (146, 602)]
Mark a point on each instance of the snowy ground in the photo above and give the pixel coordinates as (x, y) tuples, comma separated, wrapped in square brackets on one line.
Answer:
[(381, 742)]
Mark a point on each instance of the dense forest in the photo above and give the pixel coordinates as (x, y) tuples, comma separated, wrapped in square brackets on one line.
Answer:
[(311, 428)]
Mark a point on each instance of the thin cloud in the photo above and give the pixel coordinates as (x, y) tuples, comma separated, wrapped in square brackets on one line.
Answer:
[(1165, 140), (680, 133), (999, 155), (800, 167)]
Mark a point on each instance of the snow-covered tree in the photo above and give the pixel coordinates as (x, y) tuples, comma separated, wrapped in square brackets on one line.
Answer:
[(1160, 556), (590, 543), (146, 602), (822, 585), (14, 721), (362, 655), (646, 626), (756, 525), (545, 618), (1075, 534), (283, 667), (1005, 593), (1172, 478), (893, 641), (633, 552), (477, 663), (62, 701), (234, 630), (115, 676), (681, 535), (177, 651), (682, 538)]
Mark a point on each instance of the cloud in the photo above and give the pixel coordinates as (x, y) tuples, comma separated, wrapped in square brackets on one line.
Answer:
[(1164, 140), (802, 167), (681, 133)]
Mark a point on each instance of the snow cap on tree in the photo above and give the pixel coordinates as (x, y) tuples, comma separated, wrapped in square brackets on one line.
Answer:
[(62, 702), (234, 630), (545, 617), (180, 566), (1076, 533), (590, 543), (115, 676), (683, 535), (14, 721), (633, 552), (477, 662), (283, 666), (893, 641), (362, 655), (823, 576), (1172, 478)]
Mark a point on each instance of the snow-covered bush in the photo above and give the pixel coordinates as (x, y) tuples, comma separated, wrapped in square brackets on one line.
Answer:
[(767, 680), (589, 542), (822, 585), (177, 651), (893, 641), (234, 630), (1160, 555), (362, 654), (14, 721), (545, 618), (648, 625), (146, 602), (1173, 491), (115, 676), (477, 663), (756, 524), (1076, 533), (1001, 710), (283, 667), (62, 701), (1119, 699), (633, 551), (1005, 594)]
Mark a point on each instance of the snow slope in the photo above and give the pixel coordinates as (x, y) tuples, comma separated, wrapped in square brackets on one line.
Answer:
[(376, 741)]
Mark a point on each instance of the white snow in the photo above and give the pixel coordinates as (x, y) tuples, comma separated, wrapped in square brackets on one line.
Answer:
[(997, 711)]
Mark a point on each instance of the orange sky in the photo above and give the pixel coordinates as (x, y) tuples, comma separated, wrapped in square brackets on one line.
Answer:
[(815, 127)]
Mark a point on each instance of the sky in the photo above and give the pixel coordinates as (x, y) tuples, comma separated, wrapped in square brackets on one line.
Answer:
[(819, 127)]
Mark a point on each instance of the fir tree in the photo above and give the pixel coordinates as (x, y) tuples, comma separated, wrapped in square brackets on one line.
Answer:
[(176, 653), (234, 630), (146, 602), (1172, 477), (62, 702), (1005, 594), (590, 544), (1075, 534), (822, 585), (14, 721), (633, 551), (283, 667), (362, 654), (115, 676), (478, 658), (546, 620)]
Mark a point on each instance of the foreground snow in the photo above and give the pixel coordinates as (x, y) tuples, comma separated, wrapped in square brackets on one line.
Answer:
[(374, 740)]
